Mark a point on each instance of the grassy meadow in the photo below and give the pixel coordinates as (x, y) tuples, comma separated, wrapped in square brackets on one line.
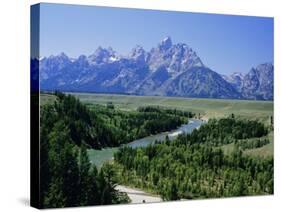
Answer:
[(264, 151), (209, 108)]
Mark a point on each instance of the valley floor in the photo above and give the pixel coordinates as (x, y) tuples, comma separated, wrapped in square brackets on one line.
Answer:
[(222, 183), (205, 108)]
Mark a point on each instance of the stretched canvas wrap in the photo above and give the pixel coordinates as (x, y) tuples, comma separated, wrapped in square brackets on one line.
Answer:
[(140, 106)]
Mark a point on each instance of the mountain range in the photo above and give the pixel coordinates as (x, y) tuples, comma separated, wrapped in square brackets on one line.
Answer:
[(166, 70)]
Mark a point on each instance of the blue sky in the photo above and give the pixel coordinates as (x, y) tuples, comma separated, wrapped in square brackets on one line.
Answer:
[(224, 43)]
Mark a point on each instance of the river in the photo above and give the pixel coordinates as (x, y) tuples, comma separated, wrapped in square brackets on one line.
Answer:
[(98, 157), (185, 128)]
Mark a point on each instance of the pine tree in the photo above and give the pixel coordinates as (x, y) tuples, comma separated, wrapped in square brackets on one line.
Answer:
[(84, 171), (63, 166), (94, 192)]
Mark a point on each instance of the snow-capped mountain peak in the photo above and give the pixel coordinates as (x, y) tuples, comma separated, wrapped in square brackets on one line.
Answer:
[(166, 43), (63, 55), (175, 58), (103, 55), (138, 54)]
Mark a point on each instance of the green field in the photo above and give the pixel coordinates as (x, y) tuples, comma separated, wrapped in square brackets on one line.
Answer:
[(46, 99), (264, 151), (208, 108)]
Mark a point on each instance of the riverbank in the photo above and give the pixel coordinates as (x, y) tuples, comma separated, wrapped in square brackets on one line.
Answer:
[(98, 157)]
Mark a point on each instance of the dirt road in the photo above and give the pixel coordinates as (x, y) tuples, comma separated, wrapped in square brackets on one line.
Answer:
[(138, 196)]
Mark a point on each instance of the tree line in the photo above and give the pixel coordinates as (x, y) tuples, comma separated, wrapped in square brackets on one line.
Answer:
[(121, 127), (252, 144), (104, 126), (228, 130)]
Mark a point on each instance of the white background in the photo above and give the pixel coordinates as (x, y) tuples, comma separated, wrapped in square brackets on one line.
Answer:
[(14, 111)]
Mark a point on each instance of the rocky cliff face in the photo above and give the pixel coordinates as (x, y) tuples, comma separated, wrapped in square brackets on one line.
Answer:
[(256, 84)]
